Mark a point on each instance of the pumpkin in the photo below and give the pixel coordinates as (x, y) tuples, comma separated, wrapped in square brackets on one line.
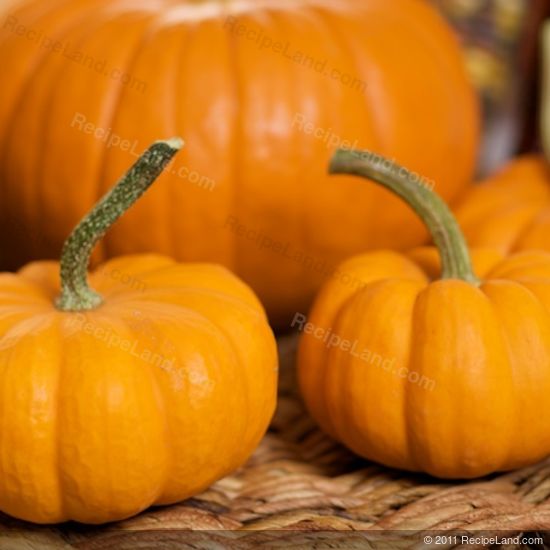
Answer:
[(143, 391), (419, 364), (262, 91), (510, 210)]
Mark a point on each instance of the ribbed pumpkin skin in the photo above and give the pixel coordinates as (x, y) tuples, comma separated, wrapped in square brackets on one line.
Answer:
[(95, 431), (510, 210), (481, 358), (235, 105)]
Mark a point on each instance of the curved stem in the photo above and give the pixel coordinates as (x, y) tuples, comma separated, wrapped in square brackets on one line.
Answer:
[(76, 295), (448, 238)]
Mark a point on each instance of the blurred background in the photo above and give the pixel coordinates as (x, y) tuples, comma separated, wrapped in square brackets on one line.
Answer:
[(500, 42)]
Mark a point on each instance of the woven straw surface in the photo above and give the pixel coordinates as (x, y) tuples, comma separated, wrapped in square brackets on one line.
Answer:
[(301, 490)]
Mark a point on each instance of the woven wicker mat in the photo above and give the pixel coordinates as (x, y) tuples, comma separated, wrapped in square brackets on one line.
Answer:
[(302, 490)]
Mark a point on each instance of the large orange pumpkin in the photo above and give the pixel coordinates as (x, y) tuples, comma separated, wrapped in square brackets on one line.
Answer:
[(142, 396), (262, 91), (426, 369)]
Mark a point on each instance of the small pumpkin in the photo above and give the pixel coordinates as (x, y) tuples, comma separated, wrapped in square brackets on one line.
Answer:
[(510, 210), (428, 369), (143, 394), (262, 90)]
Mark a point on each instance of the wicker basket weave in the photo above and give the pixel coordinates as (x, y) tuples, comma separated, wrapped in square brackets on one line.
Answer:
[(302, 490)]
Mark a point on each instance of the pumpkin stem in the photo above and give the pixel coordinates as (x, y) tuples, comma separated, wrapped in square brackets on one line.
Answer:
[(545, 90), (448, 238), (76, 294)]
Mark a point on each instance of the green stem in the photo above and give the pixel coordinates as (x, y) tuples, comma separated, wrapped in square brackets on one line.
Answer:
[(76, 294), (447, 236)]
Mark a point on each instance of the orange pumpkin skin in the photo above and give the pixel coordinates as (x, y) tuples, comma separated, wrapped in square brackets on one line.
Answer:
[(257, 126), (510, 210), (148, 399), (442, 377)]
